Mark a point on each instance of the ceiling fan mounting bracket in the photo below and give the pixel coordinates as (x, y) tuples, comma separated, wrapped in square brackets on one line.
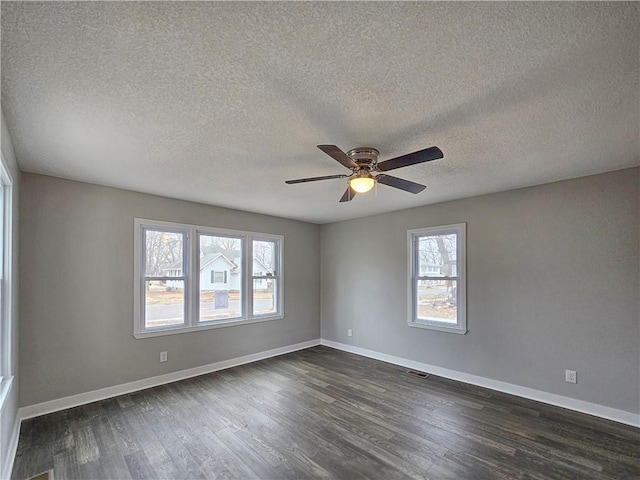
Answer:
[(364, 156)]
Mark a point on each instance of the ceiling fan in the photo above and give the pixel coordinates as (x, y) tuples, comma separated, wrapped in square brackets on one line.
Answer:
[(363, 163)]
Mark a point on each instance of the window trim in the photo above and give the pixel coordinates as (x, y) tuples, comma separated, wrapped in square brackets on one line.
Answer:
[(277, 273), (460, 229), (211, 231), (6, 290), (186, 266), (192, 278)]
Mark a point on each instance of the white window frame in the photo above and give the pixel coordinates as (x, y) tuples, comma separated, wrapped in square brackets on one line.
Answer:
[(460, 230), (242, 236), (185, 277), (6, 284), (276, 274), (191, 272)]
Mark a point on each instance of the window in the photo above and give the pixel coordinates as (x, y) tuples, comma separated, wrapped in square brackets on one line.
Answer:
[(218, 277), (265, 259), (437, 280), (221, 291), (164, 279), (189, 277), (6, 249)]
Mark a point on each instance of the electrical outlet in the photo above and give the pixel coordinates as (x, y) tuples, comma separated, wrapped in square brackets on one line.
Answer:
[(571, 376), (163, 356), (349, 332)]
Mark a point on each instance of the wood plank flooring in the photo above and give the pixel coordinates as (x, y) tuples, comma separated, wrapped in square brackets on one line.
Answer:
[(323, 413)]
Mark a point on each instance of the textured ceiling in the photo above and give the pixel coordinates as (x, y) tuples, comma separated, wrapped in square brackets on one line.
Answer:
[(220, 103)]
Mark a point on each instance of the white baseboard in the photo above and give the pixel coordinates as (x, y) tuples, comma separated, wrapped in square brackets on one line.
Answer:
[(11, 451), (96, 395), (609, 413)]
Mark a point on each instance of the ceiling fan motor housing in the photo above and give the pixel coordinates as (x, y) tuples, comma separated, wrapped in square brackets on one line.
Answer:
[(366, 157)]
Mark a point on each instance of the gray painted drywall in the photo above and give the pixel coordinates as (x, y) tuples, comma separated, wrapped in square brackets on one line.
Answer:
[(77, 289), (9, 412), (553, 284)]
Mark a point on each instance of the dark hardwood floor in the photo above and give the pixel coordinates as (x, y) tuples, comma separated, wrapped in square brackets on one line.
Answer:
[(322, 413)]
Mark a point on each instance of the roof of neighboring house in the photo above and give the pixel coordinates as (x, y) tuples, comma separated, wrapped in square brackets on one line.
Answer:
[(204, 261), (207, 259), (210, 257)]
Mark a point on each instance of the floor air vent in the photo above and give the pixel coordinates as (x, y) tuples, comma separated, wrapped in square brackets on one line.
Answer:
[(416, 373)]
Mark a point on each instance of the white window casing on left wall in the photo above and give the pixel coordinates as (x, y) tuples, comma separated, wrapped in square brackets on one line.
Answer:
[(6, 283), (192, 277)]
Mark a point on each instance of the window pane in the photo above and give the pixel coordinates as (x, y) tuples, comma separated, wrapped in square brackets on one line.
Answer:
[(163, 303), (264, 257), (264, 296), (437, 255), (220, 263), (163, 254), (437, 301)]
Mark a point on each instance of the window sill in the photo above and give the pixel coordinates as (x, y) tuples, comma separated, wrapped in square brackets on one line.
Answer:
[(439, 328), (210, 326)]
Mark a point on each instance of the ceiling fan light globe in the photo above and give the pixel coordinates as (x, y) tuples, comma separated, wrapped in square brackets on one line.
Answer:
[(362, 184)]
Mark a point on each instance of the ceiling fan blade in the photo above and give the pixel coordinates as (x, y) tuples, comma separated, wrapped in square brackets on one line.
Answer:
[(337, 154), (348, 194), (400, 183), (314, 179), (421, 156)]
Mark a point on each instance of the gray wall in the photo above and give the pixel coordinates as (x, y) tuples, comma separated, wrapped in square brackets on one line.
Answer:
[(77, 289), (552, 284), (9, 410)]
